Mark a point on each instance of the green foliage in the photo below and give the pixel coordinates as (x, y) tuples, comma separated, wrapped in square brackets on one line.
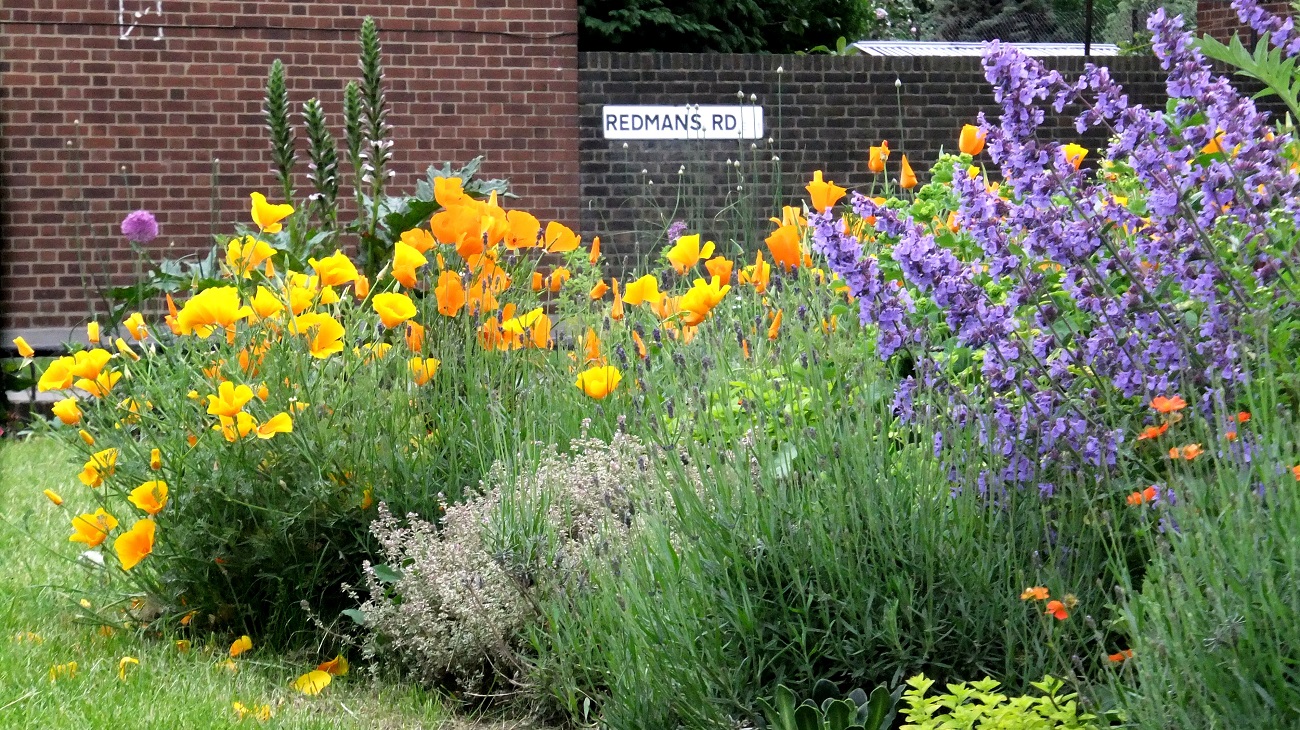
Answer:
[(733, 26), (979, 705), (1214, 625), (809, 538), (828, 710), (281, 131), (1266, 65)]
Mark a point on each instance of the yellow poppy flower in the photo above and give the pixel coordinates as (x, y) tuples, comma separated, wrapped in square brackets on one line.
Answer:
[(265, 304), (687, 252), (89, 363), (24, 349), (218, 307), (150, 497), (424, 369), (229, 399), (92, 332), (645, 289), (393, 308), (1074, 154), (135, 326), (123, 663), (406, 259), (100, 386), (244, 256), (279, 423), (101, 465), (599, 382), (92, 528), (54, 497), (267, 216), (325, 334), (125, 349), (560, 238), (313, 682), (241, 645), (133, 545), (57, 376), (86, 437), (334, 270), (68, 411), (155, 459), (701, 299), (759, 274)]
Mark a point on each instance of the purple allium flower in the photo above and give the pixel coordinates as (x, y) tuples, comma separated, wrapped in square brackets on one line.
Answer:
[(676, 231), (140, 226)]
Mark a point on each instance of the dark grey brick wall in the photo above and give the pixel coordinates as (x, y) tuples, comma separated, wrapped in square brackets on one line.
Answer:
[(821, 112)]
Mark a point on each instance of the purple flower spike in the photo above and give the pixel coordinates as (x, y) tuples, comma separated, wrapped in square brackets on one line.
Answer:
[(140, 227)]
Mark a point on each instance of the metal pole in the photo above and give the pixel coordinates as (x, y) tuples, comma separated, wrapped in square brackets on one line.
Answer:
[(1087, 28)]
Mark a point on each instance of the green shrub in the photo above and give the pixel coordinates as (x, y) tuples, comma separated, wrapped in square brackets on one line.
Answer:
[(832, 550), (1215, 625)]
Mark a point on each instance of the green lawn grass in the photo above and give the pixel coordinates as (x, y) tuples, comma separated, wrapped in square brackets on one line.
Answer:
[(168, 690)]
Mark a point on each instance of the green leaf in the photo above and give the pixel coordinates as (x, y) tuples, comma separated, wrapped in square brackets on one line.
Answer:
[(387, 574), (356, 615)]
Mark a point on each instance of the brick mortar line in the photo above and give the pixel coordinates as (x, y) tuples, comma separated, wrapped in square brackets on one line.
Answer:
[(329, 29)]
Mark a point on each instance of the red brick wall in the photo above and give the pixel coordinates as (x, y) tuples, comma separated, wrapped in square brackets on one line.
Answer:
[(1216, 18), (89, 119)]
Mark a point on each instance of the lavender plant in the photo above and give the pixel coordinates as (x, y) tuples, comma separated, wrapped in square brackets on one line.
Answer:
[(1065, 298)]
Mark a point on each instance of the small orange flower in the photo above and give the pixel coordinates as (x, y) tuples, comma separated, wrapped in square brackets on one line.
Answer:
[(393, 308), (150, 496), (1168, 405), (1243, 416), (1120, 657), (537, 281), (450, 293), (906, 178), (971, 141), (775, 328), (1295, 471), (594, 256), (338, 666), (616, 309), (1231, 435), (1056, 610), (878, 155), (598, 291), (1151, 432), (1036, 593), (1142, 497)]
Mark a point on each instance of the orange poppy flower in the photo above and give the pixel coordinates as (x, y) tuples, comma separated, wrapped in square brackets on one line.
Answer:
[(971, 141), (645, 289), (336, 269), (102, 464), (133, 545), (1036, 593), (598, 291), (721, 267), (594, 256), (1151, 432), (1120, 656), (537, 281), (1056, 610), (640, 345), (759, 274), (1191, 451), (268, 216), (878, 155), (241, 645), (784, 243), (338, 666), (150, 496), (92, 528), (823, 194), (450, 293), (229, 399), (906, 178), (1168, 405), (591, 348), (1243, 416), (775, 328), (1142, 497), (556, 280), (423, 369), (560, 238), (616, 309)]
